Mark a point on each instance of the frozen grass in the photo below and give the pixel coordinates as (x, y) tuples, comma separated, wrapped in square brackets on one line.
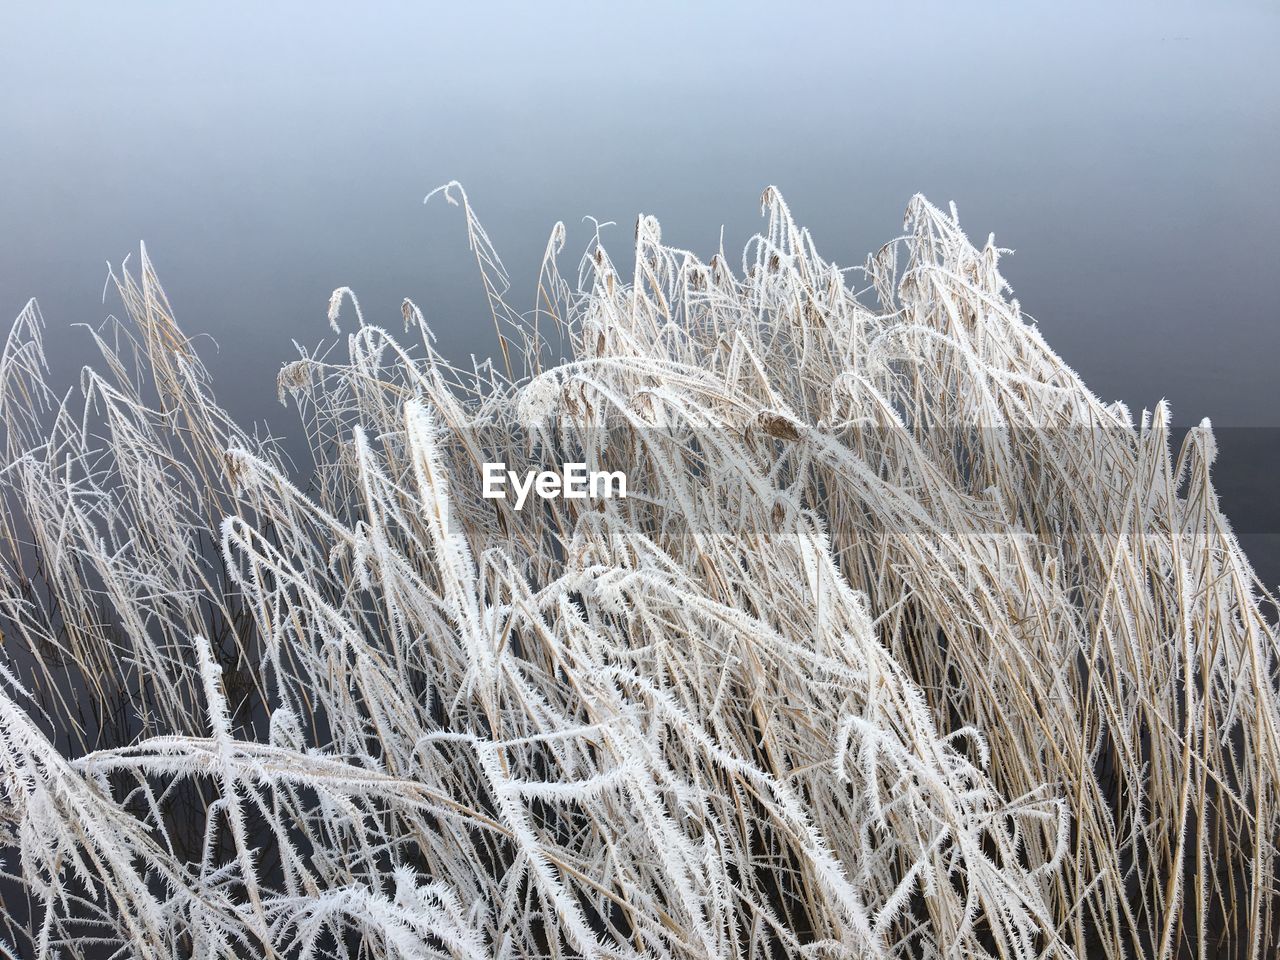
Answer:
[(912, 648)]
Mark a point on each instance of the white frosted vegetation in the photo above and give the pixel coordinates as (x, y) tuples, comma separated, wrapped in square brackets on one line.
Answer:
[(909, 646)]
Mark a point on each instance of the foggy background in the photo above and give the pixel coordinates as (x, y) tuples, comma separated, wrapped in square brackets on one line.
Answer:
[(1127, 152)]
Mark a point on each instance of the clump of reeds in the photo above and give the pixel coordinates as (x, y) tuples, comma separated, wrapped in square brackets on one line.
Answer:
[(905, 644)]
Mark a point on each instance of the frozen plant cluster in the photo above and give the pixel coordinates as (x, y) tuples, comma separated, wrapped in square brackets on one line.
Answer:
[(910, 646)]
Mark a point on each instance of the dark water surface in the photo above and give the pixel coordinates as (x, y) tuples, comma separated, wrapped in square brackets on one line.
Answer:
[(1126, 151)]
